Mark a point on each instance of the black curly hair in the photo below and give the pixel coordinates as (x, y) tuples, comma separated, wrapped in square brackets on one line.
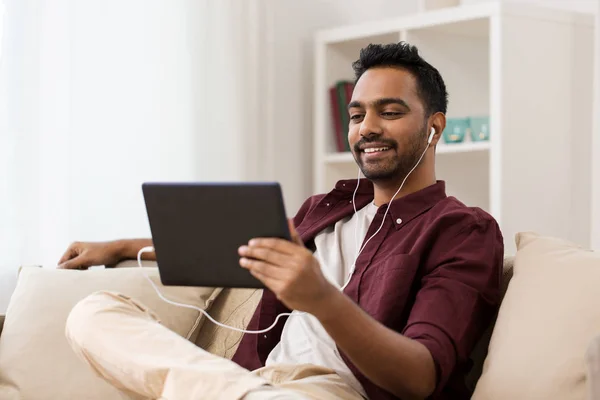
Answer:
[(431, 87)]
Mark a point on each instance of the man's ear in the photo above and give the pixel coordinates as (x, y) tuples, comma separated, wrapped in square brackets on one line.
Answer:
[(438, 122)]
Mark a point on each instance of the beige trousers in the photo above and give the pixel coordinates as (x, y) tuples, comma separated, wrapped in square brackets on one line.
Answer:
[(124, 343)]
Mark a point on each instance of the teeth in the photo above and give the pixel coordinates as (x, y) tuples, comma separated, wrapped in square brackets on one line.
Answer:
[(373, 150)]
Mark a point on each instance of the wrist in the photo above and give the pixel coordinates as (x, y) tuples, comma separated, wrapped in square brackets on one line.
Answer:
[(122, 249), (331, 304)]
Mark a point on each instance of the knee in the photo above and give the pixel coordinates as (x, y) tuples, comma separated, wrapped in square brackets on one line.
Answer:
[(87, 316)]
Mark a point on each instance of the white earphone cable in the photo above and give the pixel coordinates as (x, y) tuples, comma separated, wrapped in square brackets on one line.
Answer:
[(356, 238), (150, 249)]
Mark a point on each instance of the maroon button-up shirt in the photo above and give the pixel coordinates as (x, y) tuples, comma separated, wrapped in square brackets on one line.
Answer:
[(432, 274)]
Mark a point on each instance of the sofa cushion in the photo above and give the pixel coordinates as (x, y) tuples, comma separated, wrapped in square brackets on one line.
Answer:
[(36, 361), (548, 317), (233, 307), (479, 353)]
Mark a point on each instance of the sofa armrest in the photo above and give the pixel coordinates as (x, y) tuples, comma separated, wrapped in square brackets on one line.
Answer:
[(122, 264)]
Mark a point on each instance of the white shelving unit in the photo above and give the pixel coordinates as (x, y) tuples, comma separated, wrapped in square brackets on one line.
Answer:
[(529, 69)]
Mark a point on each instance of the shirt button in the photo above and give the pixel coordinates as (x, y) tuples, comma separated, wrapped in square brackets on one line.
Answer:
[(398, 221), (327, 204), (265, 336), (350, 202)]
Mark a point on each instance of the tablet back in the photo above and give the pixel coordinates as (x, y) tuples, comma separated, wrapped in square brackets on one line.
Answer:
[(198, 227)]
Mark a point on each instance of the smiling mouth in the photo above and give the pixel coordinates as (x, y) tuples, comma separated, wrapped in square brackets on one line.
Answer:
[(376, 150)]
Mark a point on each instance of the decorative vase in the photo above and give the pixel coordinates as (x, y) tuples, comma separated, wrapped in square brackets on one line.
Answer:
[(480, 129), (456, 129)]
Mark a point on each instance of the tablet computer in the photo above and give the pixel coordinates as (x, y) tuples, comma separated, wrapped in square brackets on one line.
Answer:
[(197, 229)]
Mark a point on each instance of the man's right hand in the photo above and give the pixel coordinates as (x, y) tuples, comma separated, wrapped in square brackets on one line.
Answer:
[(82, 255)]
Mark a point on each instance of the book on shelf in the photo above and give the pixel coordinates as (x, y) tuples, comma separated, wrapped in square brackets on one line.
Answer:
[(339, 97)]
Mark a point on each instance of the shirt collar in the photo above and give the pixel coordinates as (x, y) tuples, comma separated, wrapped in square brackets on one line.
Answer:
[(403, 209)]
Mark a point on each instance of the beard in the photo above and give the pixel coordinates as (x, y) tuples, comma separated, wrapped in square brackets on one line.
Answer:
[(396, 166)]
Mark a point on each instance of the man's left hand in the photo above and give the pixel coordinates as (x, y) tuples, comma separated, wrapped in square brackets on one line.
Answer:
[(289, 270)]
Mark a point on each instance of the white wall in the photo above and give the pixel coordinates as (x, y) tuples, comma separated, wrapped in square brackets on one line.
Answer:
[(589, 6)]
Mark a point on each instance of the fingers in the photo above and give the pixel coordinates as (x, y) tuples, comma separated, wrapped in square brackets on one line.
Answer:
[(272, 284), (264, 254), (70, 253), (264, 269), (75, 263), (279, 245)]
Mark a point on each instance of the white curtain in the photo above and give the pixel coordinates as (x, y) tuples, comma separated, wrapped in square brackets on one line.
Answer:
[(98, 96), (596, 143)]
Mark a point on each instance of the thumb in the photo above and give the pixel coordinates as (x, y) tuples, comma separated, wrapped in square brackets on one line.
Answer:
[(294, 234)]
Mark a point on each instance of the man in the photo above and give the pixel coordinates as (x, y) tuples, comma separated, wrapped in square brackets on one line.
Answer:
[(420, 273)]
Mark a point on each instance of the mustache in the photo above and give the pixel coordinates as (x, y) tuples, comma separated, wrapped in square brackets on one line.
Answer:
[(386, 142)]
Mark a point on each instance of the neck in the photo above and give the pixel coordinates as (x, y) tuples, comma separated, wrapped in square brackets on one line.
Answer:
[(422, 177)]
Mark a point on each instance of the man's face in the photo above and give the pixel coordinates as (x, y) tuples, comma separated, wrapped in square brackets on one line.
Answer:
[(387, 124)]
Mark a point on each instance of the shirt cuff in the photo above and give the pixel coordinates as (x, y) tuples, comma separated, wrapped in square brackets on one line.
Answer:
[(439, 345)]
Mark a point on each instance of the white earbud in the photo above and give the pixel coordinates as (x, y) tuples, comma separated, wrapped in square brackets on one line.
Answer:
[(431, 135)]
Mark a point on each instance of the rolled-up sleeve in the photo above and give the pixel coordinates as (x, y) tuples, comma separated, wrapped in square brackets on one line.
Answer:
[(459, 294)]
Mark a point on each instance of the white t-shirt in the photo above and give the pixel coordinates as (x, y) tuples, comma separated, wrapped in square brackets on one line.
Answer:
[(304, 340)]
